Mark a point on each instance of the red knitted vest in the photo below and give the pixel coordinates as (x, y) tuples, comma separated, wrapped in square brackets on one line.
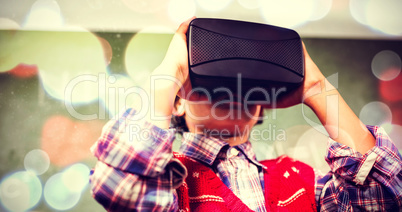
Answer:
[(289, 186)]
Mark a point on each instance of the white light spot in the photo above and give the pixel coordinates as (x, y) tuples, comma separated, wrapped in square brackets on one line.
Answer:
[(37, 161), (286, 174), (70, 64), (375, 113), (8, 24), (118, 94), (75, 178), (396, 136), (44, 14), (357, 10), (145, 6), (213, 5), (321, 9), (385, 15), (20, 191), (145, 52), (264, 150), (111, 79), (69, 86), (58, 196), (287, 13), (386, 65), (95, 4), (181, 10), (387, 127), (310, 148), (379, 15), (249, 4)]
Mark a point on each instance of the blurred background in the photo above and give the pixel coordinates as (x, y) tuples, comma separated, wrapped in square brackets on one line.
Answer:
[(67, 67)]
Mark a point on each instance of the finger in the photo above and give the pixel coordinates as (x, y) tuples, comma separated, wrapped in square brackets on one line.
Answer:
[(184, 26), (305, 51)]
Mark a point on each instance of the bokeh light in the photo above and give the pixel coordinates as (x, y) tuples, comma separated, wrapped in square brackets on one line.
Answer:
[(8, 24), (311, 148), (8, 49), (287, 13), (375, 113), (357, 10), (146, 51), (57, 195), (44, 14), (213, 5), (385, 15), (379, 15), (292, 135), (146, 6), (74, 88), (321, 9), (390, 91), (75, 177), (20, 191), (387, 127), (249, 4), (95, 4), (36, 161), (293, 13), (66, 141), (181, 10), (68, 62), (119, 94), (386, 65), (24, 70), (264, 151), (396, 136)]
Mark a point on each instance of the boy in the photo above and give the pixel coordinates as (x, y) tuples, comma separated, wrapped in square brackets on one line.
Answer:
[(216, 169)]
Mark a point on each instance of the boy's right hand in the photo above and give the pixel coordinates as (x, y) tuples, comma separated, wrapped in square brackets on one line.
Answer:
[(175, 63), (169, 79)]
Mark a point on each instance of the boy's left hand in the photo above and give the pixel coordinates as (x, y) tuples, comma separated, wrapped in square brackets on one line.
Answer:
[(340, 122), (312, 82)]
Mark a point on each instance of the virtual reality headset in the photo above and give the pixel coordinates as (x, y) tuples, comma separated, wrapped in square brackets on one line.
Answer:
[(250, 60)]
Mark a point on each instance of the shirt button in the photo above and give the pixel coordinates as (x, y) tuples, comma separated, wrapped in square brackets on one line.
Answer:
[(234, 152)]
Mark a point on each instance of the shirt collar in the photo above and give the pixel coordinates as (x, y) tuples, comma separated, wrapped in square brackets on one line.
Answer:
[(201, 147), (248, 151), (206, 149)]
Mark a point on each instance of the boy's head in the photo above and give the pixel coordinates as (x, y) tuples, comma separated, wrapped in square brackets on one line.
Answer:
[(220, 117)]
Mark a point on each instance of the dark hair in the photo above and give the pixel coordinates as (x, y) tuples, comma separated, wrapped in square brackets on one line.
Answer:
[(179, 123)]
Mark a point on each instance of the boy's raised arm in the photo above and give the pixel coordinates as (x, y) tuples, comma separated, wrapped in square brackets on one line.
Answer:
[(366, 167), (135, 167), (169, 79), (335, 115)]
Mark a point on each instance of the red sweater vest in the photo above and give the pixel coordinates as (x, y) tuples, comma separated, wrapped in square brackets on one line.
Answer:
[(289, 186)]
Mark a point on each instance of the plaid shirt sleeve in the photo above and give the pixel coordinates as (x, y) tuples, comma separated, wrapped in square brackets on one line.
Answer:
[(130, 173), (356, 182)]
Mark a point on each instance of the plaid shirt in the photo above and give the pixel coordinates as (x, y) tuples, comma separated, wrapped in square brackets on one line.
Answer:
[(133, 171)]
